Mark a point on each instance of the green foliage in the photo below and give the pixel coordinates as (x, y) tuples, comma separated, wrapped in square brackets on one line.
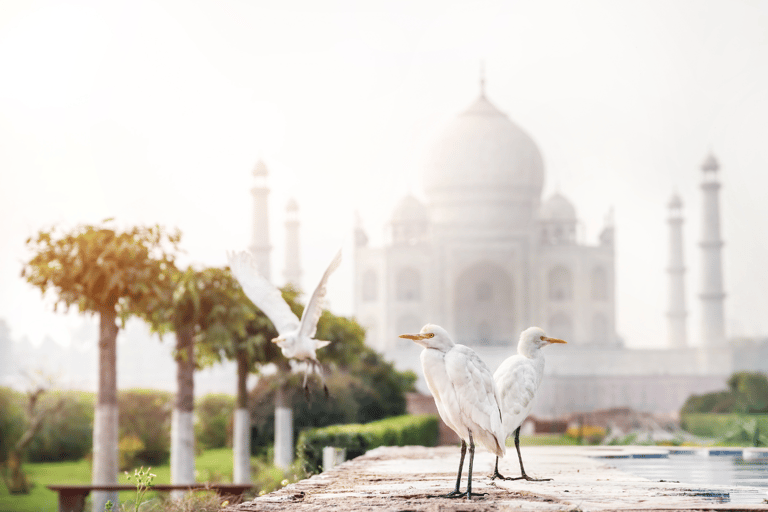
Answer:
[(718, 402), (747, 394), (213, 428), (68, 433), (97, 268), (718, 426), (352, 400), (145, 414), (12, 419), (750, 390), (358, 439)]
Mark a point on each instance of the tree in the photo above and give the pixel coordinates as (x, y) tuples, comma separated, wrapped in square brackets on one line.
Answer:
[(114, 274), (204, 308), (236, 329), (233, 328), (14, 477)]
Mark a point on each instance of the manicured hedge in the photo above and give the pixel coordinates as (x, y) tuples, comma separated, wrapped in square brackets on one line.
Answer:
[(359, 438), (718, 425)]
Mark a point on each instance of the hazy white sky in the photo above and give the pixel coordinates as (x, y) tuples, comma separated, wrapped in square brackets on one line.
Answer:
[(158, 111)]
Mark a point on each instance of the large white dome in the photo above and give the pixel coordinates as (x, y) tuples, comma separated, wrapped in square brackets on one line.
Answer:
[(484, 170)]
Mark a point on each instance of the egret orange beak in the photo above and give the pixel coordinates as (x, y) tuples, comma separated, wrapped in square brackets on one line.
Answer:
[(552, 340), (275, 340), (414, 337)]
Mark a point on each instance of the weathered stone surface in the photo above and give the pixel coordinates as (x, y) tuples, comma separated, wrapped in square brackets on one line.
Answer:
[(410, 478)]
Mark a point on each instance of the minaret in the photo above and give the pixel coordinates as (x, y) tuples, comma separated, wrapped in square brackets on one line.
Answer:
[(260, 240), (676, 314), (292, 270), (712, 295)]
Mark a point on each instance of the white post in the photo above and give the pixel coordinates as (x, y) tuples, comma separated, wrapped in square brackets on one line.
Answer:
[(241, 447), (283, 437), (105, 456), (333, 456), (182, 450)]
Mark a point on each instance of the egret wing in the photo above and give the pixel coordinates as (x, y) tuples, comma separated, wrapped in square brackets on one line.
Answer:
[(473, 383), (261, 292), (516, 384), (315, 305)]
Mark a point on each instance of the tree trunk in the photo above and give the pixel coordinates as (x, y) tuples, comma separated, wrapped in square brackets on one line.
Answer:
[(105, 456), (182, 426), (241, 442), (283, 430)]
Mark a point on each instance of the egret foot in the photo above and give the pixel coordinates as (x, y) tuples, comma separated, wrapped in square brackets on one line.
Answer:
[(498, 475), (457, 494), (325, 389), (528, 478)]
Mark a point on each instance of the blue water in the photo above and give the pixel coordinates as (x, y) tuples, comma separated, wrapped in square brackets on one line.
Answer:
[(711, 467)]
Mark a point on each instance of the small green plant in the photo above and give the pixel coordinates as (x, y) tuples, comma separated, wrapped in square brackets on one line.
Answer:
[(143, 479)]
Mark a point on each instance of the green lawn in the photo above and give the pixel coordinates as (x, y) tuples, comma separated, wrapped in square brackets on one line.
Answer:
[(212, 465), (543, 440)]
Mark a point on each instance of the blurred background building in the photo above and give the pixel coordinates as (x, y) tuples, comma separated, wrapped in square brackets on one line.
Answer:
[(485, 256)]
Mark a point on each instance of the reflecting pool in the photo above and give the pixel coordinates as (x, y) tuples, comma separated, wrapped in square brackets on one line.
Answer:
[(737, 469)]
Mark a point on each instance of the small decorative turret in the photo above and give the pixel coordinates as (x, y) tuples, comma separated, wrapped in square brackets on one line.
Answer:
[(607, 235)]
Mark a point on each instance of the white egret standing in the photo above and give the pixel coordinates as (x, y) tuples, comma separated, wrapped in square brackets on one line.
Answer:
[(462, 385), (296, 338), (517, 380)]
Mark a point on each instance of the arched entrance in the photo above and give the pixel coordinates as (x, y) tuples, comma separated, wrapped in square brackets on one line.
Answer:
[(484, 307)]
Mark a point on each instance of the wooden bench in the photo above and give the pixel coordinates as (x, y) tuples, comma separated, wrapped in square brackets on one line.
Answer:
[(72, 497)]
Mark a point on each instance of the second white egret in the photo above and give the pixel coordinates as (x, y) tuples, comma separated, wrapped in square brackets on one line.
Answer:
[(517, 380)]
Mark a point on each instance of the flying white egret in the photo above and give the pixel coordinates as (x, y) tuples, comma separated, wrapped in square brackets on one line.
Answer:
[(296, 338), (462, 385), (517, 380)]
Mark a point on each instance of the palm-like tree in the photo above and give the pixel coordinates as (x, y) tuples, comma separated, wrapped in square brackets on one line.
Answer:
[(114, 274)]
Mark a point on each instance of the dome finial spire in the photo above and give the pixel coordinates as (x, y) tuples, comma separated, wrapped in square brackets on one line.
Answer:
[(482, 78)]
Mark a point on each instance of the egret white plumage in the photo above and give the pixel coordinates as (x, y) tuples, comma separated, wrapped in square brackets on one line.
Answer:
[(462, 385), (295, 337), (517, 380)]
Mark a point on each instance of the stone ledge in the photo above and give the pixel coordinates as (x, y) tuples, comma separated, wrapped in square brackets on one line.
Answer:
[(409, 478)]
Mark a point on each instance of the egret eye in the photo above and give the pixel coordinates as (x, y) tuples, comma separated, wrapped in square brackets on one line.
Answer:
[(431, 335)]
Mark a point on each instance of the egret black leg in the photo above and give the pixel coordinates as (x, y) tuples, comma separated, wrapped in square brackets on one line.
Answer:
[(456, 493), (469, 475), (496, 473), (520, 458), (320, 372), (304, 385)]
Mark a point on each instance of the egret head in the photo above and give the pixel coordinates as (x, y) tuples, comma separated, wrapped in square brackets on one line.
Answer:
[(431, 336), (281, 339), (533, 339)]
